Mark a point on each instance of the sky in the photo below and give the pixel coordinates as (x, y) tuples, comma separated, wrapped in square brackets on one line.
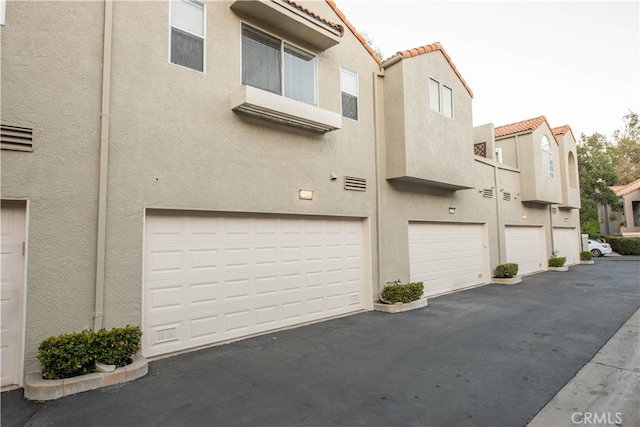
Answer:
[(575, 62)]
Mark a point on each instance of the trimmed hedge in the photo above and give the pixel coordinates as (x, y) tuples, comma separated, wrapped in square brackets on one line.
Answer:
[(624, 245), (557, 261), (70, 355), (402, 292), (507, 271), (586, 256)]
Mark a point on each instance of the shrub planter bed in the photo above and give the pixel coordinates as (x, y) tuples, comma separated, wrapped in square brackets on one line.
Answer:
[(506, 280), (37, 388), (399, 307)]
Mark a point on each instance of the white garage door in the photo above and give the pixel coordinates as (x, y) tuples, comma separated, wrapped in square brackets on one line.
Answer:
[(526, 247), (210, 278), (446, 257), (567, 242)]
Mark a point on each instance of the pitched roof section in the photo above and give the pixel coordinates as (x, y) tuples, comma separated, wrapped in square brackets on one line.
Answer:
[(623, 190), (353, 30), (524, 126), (434, 47), (562, 130), (317, 17)]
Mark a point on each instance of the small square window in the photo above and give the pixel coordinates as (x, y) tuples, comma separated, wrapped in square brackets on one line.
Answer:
[(187, 34), (349, 88)]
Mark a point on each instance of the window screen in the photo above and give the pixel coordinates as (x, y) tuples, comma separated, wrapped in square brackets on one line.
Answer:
[(299, 75), (434, 95), (349, 87), (447, 101), (187, 34)]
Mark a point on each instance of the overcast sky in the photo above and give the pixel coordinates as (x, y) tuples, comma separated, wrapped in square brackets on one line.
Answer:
[(575, 62)]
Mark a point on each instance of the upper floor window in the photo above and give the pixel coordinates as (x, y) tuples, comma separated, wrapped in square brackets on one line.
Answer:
[(187, 34), (349, 88), (547, 157), (440, 98), (270, 64), (498, 154)]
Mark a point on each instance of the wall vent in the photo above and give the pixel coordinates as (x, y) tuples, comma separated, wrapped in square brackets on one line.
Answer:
[(16, 138), (355, 184), (488, 193), (554, 210), (506, 196)]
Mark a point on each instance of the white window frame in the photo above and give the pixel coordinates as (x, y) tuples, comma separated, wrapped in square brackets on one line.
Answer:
[(547, 157), (440, 100), (283, 45), (203, 36), (498, 154), (349, 73)]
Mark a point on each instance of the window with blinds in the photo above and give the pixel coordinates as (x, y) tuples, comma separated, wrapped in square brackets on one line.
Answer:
[(349, 88), (270, 64), (187, 34)]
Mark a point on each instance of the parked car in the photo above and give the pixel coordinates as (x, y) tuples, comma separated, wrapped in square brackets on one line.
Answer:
[(599, 248)]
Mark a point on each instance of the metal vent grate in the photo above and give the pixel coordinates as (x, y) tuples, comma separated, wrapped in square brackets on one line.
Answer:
[(506, 196), (488, 193), (16, 138), (355, 184)]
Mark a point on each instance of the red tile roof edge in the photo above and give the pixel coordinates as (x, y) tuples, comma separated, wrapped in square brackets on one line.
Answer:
[(427, 49), (523, 126), (561, 130), (364, 43), (623, 190), (317, 17)]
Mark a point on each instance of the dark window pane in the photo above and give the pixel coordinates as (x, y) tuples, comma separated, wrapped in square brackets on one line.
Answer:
[(349, 106), (187, 50), (261, 60)]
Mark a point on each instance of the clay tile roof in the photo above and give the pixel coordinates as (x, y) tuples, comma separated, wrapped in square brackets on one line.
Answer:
[(524, 126), (562, 130), (317, 17), (623, 190), (427, 49), (354, 31)]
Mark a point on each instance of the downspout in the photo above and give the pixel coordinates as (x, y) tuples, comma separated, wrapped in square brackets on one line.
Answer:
[(377, 131), (98, 315), (498, 218)]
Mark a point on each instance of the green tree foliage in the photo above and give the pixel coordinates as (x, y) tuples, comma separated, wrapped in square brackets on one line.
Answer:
[(626, 154)]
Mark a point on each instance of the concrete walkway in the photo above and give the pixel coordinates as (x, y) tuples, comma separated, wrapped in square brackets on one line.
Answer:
[(490, 356), (606, 391)]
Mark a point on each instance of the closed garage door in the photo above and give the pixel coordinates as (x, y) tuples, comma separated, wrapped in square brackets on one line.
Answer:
[(526, 247), (567, 241), (446, 257), (210, 278)]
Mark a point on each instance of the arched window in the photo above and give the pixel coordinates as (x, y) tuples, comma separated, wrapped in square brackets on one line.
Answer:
[(547, 157)]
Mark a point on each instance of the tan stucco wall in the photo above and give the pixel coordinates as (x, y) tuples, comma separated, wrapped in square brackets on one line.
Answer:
[(51, 73), (174, 143), (568, 159)]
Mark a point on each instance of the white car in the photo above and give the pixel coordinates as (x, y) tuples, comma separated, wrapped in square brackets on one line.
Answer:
[(599, 249)]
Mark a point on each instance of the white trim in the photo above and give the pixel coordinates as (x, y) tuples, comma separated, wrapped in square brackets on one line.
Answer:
[(498, 154), (357, 90), (3, 11)]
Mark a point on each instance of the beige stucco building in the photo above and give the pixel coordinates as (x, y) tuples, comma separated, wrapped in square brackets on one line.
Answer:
[(214, 170)]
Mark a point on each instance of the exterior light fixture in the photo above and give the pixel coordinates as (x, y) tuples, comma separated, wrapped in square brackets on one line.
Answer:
[(452, 210), (305, 194), (524, 216)]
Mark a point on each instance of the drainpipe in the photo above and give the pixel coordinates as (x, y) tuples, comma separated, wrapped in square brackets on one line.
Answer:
[(98, 315), (500, 227), (377, 131)]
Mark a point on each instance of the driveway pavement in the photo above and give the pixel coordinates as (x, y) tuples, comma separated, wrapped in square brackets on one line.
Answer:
[(490, 356)]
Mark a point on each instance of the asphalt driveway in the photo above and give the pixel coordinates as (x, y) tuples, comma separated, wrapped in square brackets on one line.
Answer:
[(493, 355)]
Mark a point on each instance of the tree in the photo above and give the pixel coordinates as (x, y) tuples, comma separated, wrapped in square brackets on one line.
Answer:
[(626, 153), (371, 43), (597, 173)]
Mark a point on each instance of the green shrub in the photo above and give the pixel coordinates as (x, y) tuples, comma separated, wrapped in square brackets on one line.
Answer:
[(507, 271), (557, 261), (586, 256), (402, 292), (70, 355), (625, 245), (115, 347), (66, 355)]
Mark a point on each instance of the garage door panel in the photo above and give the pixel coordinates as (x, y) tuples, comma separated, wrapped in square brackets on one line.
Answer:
[(210, 279), (567, 242), (436, 251), (525, 246)]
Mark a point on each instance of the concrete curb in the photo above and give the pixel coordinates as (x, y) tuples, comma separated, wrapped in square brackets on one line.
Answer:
[(506, 281), (37, 388), (400, 307)]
